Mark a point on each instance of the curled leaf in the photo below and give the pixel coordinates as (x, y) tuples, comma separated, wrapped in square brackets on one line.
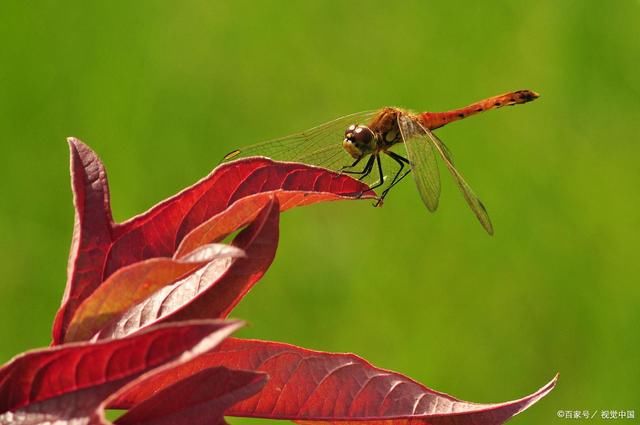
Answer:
[(133, 284)]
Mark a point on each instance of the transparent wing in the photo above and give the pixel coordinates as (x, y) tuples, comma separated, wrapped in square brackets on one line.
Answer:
[(321, 146), (421, 154), (474, 202)]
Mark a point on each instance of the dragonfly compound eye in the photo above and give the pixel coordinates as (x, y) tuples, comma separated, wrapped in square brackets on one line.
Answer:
[(359, 140)]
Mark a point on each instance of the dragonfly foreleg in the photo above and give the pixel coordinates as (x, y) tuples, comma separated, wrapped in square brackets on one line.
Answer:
[(364, 172), (351, 166)]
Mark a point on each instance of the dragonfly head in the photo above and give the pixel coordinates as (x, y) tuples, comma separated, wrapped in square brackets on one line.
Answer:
[(359, 141)]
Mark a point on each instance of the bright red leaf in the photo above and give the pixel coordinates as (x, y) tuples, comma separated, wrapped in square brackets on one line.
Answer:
[(312, 386), (242, 212), (70, 382), (100, 247)]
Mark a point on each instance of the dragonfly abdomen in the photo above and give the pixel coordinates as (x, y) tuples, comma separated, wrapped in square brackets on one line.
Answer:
[(433, 120)]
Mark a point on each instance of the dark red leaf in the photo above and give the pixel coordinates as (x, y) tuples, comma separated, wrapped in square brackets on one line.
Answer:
[(100, 247), (201, 398), (313, 386), (69, 382), (212, 291)]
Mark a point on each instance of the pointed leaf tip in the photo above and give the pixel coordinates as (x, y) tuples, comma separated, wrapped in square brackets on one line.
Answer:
[(74, 141)]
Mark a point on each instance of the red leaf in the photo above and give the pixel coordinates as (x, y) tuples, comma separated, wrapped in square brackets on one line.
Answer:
[(244, 211), (100, 247), (71, 381), (312, 386), (132, 284), (201, 398), (212, 291), (92, 231), (259, 241)]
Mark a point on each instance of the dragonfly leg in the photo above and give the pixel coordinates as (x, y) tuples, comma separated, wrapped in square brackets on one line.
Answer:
[(379, 182), (401, 160), (351, 166), (364, 172), (384, 193), (397, 178), (367, 170)]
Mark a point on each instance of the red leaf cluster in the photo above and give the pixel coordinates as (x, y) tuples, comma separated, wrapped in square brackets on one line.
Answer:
[(141, 326)]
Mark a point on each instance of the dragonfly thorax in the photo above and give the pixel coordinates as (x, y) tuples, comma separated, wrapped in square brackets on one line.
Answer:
[(359, 141)]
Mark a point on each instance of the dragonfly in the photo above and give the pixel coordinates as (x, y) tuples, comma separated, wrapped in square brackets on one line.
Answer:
[(370, 140)]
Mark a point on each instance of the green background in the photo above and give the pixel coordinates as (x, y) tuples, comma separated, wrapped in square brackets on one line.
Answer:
[(161, 90)]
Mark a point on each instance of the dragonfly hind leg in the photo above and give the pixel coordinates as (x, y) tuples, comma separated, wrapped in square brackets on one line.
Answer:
[(401, 160)]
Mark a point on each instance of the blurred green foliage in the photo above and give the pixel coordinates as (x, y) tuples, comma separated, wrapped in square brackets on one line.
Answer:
[(161, 90)]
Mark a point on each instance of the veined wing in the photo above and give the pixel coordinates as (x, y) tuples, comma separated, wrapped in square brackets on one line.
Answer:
[(422, 157), (474, 202), (321, 146)]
